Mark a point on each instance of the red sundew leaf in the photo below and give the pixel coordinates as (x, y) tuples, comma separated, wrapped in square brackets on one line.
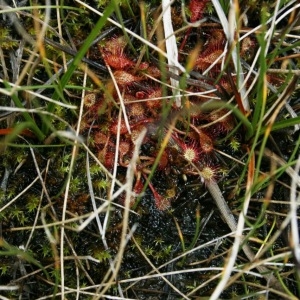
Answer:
[(143, 66), (207, 59), (153, 71), (217, 39), (124, 148), (89, 100), (24, 132), (248, 47), (209, 173), (206, 142), (114, 127), (138, 186), (190, 152), (107, 157), (118, 62), (162, 203), (197, 8), (100, 138), (225, 121), (109, 160), (125, 78), (136, 131), (163, 161), (136, 111), (115, 45)]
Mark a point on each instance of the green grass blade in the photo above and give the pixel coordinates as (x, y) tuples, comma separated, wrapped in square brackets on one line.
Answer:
[(39, 134), (77, 59), (283, 124)]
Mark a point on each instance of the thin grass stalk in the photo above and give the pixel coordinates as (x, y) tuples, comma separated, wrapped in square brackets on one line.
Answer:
[(229, 29), (133, 34), (294, 206), (157, 270), (112, 275), (202, 246), (171, 47), (80, 54), (27, 116), (63, 235)]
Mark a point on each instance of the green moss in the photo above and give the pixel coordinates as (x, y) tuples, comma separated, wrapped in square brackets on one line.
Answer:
[(6, 41), (158, 240), (102, 255), (32, 203), (46, 249), (95, 170), (4, 269), (101, 184), (149, 251), (234, 144), (18, 215)]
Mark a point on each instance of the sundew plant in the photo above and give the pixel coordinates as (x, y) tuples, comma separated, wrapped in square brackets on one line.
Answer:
[(149, 150)]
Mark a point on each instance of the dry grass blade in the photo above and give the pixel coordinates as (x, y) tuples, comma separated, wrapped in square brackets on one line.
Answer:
[(171, 47)]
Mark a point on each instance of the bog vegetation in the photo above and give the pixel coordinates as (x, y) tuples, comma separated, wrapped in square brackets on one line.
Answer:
[(149, 150)]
